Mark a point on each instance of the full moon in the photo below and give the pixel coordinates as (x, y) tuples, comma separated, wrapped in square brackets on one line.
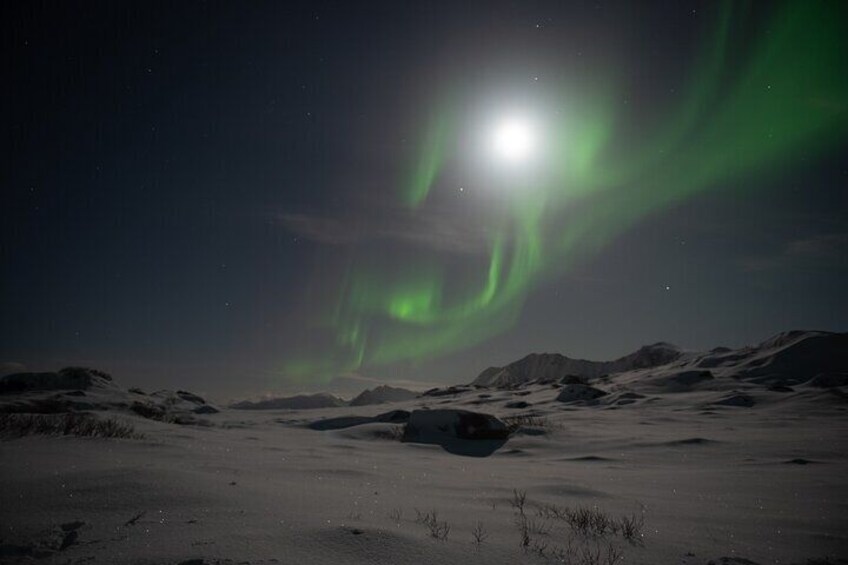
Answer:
[(514, 140)]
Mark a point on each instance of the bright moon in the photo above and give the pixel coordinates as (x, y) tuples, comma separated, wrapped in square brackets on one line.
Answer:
[(514, 140)]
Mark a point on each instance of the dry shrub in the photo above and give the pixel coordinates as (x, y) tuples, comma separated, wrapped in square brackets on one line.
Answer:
[(70, 424)]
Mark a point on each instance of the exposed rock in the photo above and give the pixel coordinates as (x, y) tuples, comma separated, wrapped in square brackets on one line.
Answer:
[(573, 380), (579, 393), (462, 424), (449, 391), (741, 400), (393, 417), (732, 561), (517, 404), (190, 397), (686, 379), (457, 430), (148, 410)]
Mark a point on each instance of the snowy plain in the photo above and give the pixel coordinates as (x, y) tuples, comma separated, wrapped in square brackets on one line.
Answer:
[(760, 481)]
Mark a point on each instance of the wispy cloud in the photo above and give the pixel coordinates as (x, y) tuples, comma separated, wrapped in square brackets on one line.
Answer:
[(431, 231), (9, 367), (331, 231), (818, 250)]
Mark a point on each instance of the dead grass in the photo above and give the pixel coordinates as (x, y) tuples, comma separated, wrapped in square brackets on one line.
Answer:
[(479, 535), (529, 421), (438, 530), (70, 424), (519, 499), (630, 528), (592, 521), (393, 433)]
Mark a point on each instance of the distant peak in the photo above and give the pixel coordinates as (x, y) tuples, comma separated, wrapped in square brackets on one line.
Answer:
[(785, 338), (661, 345)]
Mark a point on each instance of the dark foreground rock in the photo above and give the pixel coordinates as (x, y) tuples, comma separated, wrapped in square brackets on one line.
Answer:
[(458, 431)]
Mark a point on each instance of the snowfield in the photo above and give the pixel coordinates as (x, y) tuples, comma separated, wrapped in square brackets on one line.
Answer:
[(667, 466)]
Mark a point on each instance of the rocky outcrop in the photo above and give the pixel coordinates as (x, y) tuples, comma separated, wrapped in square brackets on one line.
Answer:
[(458, 431), (69, 378), (424, 425), (579, 393)]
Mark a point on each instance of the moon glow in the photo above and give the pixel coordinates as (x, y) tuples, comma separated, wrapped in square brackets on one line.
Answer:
[(514, 140)]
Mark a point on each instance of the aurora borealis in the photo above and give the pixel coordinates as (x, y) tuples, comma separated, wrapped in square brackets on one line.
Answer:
[(293, 196), (743, 112)]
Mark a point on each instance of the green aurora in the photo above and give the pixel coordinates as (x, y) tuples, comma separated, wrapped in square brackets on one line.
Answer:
[(743, 113)]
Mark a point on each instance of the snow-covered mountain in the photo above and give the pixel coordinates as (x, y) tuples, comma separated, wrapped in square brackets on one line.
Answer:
[(383, 394), (547, 367), (299, 402), (787, 358)]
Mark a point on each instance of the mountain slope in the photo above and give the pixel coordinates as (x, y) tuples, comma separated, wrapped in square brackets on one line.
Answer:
[(383, 394), (299, 402), (553, 366), (786, 359)]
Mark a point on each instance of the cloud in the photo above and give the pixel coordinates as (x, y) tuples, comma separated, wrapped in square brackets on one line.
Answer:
[(331, 231), (830, 246), (9, 367), (823, 250), (431, 231)]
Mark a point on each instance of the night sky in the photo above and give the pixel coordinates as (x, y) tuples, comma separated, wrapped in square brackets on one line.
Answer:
[(244, 198)]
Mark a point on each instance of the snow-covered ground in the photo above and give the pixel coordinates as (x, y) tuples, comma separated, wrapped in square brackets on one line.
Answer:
[(762, 481)]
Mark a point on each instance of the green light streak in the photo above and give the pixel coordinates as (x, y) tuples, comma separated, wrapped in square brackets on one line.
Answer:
[(789, 97), (430, 160)]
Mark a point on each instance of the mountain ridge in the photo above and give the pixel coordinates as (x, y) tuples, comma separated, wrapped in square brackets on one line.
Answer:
[(555, 366), (789, 356)]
